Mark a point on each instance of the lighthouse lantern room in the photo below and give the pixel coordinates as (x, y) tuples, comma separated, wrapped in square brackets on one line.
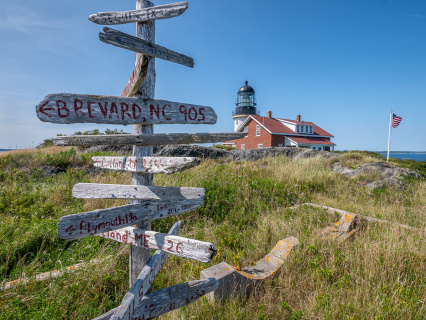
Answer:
[(246, 105)]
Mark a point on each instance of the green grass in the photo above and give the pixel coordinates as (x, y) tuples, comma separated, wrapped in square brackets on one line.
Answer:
[(380, 274)]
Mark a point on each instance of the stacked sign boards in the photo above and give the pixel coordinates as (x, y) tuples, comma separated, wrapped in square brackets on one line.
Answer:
[(152, 202)]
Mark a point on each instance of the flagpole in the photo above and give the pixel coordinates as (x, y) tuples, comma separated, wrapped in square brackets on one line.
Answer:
[(390, 128)]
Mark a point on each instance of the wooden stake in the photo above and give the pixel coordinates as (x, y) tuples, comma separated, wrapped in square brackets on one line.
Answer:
[(138, 257)]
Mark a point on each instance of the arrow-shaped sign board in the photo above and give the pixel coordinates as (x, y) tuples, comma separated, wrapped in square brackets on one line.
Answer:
[(68, 108), (178, 246), (147, 14), (165, 165), (116, 191), (138, 76), (146, 139), (168, 299), (126, 41), (93, 222)]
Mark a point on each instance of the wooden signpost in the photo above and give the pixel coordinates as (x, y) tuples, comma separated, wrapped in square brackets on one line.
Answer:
[(126, 41), (69, 108), (165, 165), (153, 13), (130, 224), (147, 139), (115, 191), (138, 76), (85, 224)]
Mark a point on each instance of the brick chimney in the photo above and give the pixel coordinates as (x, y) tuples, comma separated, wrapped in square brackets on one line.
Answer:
[(299, 118), (269, 114)]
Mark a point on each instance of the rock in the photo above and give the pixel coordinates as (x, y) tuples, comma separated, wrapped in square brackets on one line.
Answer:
[(390, 175), (51, 171)]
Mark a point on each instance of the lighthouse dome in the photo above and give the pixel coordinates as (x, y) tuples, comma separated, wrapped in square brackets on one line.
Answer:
[(246, 88)]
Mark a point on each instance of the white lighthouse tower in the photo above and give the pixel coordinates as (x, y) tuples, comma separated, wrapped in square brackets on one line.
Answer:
[(246, 105)]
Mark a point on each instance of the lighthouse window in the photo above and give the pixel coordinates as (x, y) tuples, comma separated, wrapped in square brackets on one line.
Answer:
[(257, 131)]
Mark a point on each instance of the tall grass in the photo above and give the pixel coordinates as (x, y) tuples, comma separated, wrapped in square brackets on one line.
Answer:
[(380, 274)]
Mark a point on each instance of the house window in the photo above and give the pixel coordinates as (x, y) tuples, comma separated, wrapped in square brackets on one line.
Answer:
[(314, 148), (243, 147), (246, 129), (280, 145), (297, 129), (260, 146), (310, 129), (257, 131)]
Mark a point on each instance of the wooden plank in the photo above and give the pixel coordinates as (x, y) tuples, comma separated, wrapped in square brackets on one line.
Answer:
[(138, 256), (115, 191), (126, 41), (169, 299), (153, 165), (93, 222), (144, 280), (147, 14), (178, 246), (138, 76), (83, 108), (144, 140)]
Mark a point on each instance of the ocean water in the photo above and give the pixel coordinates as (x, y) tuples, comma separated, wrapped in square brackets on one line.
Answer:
[(1, 150), (417, 156)]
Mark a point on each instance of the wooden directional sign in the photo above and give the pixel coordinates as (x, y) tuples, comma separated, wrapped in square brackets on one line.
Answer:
[(147, 14), (178, 246), (165, 165), (146, 139), (89, 223), (126, 41), (82, 108), (169, 299), (115, 191), (138, 76)]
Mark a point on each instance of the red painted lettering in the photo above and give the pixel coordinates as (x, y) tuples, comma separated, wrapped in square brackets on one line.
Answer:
[(192, 110), (152, 110), (136, 113), (63, 107), (145, 240), (125, 110), (164, 113), (182, 109), (179, 247), (171, 245), (104, 110), (114, 109), (78, 105), (89, 109), (200, 111)]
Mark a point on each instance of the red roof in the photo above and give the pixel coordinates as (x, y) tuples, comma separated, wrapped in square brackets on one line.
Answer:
[(297, 122), (273, 125), (309, 140)]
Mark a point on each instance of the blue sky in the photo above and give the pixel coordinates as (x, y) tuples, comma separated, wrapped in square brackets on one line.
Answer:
[(340, 64)]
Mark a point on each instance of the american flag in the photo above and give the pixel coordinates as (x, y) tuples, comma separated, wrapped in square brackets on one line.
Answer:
[(396, 120)]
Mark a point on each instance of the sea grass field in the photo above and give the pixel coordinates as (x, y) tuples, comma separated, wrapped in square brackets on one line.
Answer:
[(378, 274)]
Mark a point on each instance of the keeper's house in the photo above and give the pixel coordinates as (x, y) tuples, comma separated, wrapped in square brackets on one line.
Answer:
[(266, 132)]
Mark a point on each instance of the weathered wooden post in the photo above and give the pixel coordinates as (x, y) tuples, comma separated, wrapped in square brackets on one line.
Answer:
[(130, 224), (138, 256)]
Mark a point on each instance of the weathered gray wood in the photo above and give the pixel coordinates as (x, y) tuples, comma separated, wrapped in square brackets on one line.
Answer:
[(138, 76), (89, 223), (138, 256), (84, 108), (126, 41), (153, 13), (144, 140), (178, 246), (115, 191), (169, 299), (144, 280), (165, 165)]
